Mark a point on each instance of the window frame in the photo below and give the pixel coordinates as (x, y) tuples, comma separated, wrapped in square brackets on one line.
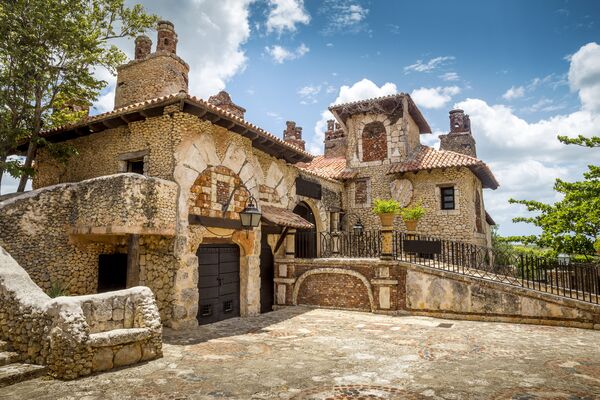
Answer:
[(444, 201)]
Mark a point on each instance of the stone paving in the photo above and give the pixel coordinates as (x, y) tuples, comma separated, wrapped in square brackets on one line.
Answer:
[(301, 353)]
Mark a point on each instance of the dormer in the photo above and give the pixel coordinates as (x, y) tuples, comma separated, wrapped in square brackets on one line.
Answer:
[(380, 130)]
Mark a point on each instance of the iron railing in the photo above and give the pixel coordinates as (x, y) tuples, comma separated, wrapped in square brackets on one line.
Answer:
[(545, 274)]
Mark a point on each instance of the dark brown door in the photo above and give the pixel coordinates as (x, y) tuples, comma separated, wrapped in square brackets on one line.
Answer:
[(218, 282), (306, 240), (267, 274)]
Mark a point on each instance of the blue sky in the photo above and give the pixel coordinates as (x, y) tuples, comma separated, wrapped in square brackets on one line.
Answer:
[(524, 70)]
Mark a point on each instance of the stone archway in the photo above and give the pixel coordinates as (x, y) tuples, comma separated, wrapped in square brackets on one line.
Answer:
[(333, 272)]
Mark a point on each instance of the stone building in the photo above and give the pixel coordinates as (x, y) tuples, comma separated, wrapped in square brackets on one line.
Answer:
[(154, 195)]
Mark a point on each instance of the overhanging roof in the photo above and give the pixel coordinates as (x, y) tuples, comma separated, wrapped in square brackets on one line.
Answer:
[(284, 217), (386, 104), (261, 139)]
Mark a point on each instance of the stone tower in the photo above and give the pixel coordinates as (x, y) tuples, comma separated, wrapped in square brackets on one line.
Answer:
[(460, 139), (293, 135), (152, 75), (335, 140)]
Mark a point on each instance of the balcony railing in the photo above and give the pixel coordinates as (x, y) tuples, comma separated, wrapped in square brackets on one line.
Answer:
[(576, 281)]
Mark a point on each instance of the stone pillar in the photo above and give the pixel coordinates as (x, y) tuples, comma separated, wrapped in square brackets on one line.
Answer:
[(133, 261), (167, 38), (387, 242), (290, 244), (143, 47), (335, 244)]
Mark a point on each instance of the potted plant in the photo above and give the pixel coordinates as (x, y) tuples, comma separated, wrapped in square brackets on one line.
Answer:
[(411, 215), (387, 210), (597, 245)]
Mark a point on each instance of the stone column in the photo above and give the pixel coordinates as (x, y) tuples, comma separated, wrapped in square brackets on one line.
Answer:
[(133, 261), (387, 242)]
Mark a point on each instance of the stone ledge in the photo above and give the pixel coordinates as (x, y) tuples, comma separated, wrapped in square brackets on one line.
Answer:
[(120, 336), (384, 281), (120, 230), (289, 281)]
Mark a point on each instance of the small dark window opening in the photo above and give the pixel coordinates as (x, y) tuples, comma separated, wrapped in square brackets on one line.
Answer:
[(112, 272), (135, 166), (228, 306), (447, 198)]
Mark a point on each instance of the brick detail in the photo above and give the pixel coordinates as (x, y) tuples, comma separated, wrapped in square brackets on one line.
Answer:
[(212, 189), (293, 135), (374, 142), (167, 38), (361, 192), (334, 290), (335, 141)]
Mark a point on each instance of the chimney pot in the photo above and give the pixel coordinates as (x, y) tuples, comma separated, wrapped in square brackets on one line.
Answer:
[(143, 47), (167, 38)]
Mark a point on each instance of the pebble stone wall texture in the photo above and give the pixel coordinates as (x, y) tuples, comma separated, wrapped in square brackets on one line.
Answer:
[(398, 288), (372, 182), (57, 233), (75, 336)]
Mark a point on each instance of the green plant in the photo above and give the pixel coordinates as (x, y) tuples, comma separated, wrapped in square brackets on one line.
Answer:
[(390, 206), (413, 213), (58, 289), (597, 245)]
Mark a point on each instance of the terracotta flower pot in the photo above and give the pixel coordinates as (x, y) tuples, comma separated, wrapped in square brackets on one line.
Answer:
[(387, 219), (411, 226)]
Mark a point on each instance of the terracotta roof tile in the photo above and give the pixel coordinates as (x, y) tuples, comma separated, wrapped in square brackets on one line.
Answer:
[(429, 158), (284, 217), (332, 168)]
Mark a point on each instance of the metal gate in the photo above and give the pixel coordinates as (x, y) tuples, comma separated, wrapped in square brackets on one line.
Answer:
[(218, 282)]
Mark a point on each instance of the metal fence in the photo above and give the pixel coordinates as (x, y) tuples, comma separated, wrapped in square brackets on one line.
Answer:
[(577, 281)]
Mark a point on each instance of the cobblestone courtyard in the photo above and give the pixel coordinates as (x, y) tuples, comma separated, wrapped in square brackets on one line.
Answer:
[(301, 353)]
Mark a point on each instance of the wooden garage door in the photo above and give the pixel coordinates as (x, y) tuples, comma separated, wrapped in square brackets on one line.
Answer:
[(218, 283)]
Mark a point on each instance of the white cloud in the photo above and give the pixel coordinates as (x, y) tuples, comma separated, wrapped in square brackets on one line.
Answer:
[(344, 16), (429, 66), (285, 15), (436, 97), (526, 156), (309, 93), (450, 76), (280, 54), (514, 92), (363, 89), (584, 76)]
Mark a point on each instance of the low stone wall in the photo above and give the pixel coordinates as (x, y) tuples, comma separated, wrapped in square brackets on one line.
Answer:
[(397, 287), (57, 233), (75, 336)]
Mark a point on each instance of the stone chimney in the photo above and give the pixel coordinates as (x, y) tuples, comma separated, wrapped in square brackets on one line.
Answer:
[(293, 135), (143, 47), (460, 139), (152, 75), (223, 100), (167, 38), (335, 140)]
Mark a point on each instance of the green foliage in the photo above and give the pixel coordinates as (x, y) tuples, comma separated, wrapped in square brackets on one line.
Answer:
[(597, 245), (413, 213), (386, 206), (581, 140), (49, 50), (571, 224), (58, 289)]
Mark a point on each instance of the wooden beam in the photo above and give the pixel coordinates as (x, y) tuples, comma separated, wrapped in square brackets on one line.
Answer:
[(281, 239), (133, 261), (214, 222)]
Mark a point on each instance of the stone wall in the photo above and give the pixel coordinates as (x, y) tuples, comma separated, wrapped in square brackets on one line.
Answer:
[(400, 288), (75, 336), (459, 224), (57, 233)]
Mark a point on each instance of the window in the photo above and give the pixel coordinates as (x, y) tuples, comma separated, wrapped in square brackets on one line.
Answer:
[(447, 200), (361, 192), (136, 166), (374, 142)]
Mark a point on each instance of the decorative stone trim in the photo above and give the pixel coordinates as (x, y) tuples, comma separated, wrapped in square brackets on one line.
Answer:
[(287, 281), (384, 281)]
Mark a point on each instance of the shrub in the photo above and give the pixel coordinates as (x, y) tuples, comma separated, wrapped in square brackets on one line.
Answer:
[(58, 289), (413, 213), (597, 245), (386, 206)]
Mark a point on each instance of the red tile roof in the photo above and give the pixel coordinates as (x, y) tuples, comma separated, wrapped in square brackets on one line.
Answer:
[(332, 168), (120, 113), (429, 158), (284, 217)]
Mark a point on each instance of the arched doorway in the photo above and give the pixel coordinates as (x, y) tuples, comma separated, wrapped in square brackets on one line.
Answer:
[(306, 240), (218, 282)]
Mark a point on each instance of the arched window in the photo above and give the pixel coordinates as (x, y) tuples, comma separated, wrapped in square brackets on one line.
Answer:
[(374, 142)]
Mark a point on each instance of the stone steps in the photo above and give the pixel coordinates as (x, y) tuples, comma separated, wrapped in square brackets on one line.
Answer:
[(17, 372), (8, 357)]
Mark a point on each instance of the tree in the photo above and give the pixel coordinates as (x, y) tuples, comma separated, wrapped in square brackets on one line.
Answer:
[(572, 224), (48, 52)]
